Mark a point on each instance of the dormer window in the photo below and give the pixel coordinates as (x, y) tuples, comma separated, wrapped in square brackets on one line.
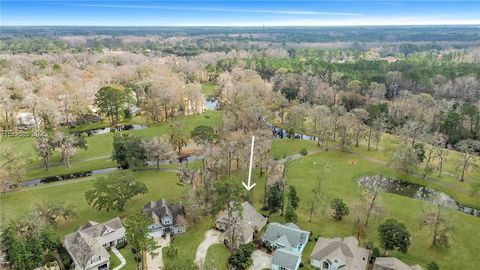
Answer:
[(95, 259)]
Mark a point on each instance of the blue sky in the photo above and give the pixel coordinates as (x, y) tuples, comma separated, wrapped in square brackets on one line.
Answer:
[(237, 13)]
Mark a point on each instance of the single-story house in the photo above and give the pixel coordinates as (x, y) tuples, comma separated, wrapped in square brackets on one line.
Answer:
[(335, 253), (287, 242), (392, 263), (168, 218), (250, 222), (88, 246)]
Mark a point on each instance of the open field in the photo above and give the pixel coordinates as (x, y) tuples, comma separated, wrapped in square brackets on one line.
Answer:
[(19, 203), (97, 156), (339, 172)]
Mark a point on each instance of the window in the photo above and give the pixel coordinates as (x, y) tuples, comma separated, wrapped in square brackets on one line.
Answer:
[(95, 258), (282, 268), (325, 265)]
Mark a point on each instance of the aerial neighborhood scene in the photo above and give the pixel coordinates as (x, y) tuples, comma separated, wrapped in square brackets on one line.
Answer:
[(239, 135)]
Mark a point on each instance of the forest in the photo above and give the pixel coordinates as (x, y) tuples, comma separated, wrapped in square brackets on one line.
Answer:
[(338, 114)]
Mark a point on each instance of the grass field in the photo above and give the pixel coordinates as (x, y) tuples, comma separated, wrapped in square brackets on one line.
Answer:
[(208, 89), (217, 257), (19, 203), (97, 156), (339, 172), (188, 242)]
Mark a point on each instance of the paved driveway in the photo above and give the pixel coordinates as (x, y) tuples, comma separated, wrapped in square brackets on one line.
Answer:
[(261, 260), (156, 262), (211, 237)]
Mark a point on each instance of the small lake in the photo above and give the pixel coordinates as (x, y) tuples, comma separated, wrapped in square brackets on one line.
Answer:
[(100, 131), (418, 192)]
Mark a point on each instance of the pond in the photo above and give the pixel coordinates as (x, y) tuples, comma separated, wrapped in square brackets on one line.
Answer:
[(99, 131), (211, 103), (417, 192), (63, 177)]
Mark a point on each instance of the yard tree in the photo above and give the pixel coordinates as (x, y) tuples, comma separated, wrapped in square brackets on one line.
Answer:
[(113, 191), (202, 135), (345, 130), (292, 197), (432, 153), (178, 136), (53, 212), (433, 266), (275, 197), (44, 147), (290, 214), (110, 101), (242, 258), (394, 235), (414, 131), (11, 165), (66, 143), (442, 152), (379, 126), (339, 208), (138, 237), (227, 197), (438, 224), (158, 149), (405, 158), (316, 197), (128, 150), (373, 189), (361, 117), (468, 159)]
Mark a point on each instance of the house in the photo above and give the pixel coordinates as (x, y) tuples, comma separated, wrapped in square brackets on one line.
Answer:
[(88, 246), (392, 263), (335, 253), (250, 222), (168, 218), (287, 241)]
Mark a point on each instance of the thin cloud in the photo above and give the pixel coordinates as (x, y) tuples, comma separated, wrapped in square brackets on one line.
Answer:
[(264, 11)]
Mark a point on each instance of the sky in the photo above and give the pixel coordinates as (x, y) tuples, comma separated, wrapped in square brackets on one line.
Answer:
[(238, 13)]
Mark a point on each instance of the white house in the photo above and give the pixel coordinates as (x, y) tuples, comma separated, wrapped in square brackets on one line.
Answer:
[(88, 246)]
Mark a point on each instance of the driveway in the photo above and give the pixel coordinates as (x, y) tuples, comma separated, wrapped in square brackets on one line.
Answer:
[(157, 261), (261, 260), (211, 237)]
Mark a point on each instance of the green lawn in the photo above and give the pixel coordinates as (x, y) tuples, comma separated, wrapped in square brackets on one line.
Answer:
[(217, 257), (20, 202), (208, 89), (128, 255), (340, 172), (287, 147), (97, 156), (188, 242)]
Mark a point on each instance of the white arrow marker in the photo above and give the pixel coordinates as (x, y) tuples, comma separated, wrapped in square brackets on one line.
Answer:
[(249, 186)]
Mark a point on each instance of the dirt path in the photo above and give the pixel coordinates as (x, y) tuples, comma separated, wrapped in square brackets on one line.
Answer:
[(211, 237)]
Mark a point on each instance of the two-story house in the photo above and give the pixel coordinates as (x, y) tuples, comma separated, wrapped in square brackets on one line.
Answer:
[(287, 242), (88, 246), (167, 218)]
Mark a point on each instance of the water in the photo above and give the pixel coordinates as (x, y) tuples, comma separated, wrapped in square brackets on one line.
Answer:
[(282, 133), (211, 103), (63, 177), (99, 131), (417, 192)]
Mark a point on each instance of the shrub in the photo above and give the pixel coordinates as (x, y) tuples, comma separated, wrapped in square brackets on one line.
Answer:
[(303, 152)]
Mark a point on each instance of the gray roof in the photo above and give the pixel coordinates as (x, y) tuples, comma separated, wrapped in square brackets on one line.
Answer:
[(250, 221), (85, 240), (276, 234), (286, 258), (346, 253), (392, 263), (158, 209)]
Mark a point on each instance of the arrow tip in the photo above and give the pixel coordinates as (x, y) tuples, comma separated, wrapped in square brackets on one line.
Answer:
[(248, 187)]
